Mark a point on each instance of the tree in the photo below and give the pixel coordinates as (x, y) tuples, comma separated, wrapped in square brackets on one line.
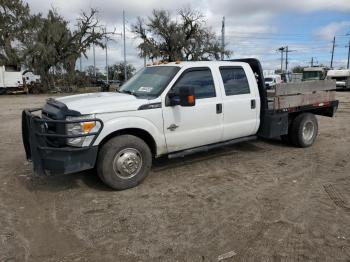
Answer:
[(17, 26), (297, 69), (116, 71), (166, 38), (90, 71), (56, 46)]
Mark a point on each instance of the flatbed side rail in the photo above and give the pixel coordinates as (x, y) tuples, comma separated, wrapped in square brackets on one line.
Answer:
[(284, 89)]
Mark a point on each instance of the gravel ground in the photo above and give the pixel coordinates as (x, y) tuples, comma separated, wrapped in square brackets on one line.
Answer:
[(256, 201)]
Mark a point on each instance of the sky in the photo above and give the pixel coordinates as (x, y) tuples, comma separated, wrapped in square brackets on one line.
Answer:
[(253, 28)]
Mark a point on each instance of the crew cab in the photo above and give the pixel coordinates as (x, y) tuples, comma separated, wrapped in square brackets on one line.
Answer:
[(172, 109)]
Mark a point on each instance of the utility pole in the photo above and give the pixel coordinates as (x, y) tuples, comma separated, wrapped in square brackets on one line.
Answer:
[(348, 46), (282, 51), (106, 54), (93, 51), (287, 58), (288, 51), (223, 39), (333, 52), (125, 65), (312, 61)]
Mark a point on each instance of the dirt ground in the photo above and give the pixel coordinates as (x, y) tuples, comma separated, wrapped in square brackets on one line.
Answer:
[(260, 201)]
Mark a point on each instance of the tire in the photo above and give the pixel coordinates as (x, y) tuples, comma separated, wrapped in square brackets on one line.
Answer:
[(304, 130), (124, 162)]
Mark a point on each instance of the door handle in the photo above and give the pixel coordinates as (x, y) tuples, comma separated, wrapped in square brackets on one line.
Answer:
[(252, 104), (172, 127), (218, 108)]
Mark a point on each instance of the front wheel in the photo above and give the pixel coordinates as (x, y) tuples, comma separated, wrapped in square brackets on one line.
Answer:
[(124, 161), (304, 130)]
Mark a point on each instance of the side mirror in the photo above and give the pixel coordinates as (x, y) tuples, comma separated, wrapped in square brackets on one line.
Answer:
[(187, 97)]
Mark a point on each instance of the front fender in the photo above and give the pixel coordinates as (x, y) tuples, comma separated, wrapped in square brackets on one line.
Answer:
[(120, 123)]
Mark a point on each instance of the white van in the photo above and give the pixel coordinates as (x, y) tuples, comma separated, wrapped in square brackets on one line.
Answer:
[(272, 80), (341, 76)]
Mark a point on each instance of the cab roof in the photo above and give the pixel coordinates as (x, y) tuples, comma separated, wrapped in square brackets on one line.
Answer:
[(198, 63), (340, 72)]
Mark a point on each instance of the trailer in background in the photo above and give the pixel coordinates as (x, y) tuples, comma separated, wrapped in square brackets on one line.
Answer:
[(10, 78), (342, 78), (13, 80)]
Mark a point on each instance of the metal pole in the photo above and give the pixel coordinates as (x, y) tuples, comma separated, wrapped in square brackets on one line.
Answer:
[(106, 55), (282, 50), (348, 55), (125, 69), (286, 59), (223, 39), (332, 53), (93, 50), (312, 61)]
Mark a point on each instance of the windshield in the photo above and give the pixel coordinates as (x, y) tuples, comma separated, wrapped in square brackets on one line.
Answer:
[(150, 81), (311, 75), (268, 79)]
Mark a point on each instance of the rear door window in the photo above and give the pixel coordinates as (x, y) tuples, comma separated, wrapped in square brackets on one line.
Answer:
[(235, 81)]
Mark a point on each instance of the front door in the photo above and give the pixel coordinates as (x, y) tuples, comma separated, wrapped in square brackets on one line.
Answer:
[(188, 127)]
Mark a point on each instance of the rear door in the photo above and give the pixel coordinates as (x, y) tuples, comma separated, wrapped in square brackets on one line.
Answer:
[(188, 127), (241, 102)]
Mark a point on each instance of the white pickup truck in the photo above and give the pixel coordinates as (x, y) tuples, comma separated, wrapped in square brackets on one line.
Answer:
[(172, 109)]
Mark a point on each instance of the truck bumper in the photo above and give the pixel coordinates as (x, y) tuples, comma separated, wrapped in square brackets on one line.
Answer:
[(51, 160)]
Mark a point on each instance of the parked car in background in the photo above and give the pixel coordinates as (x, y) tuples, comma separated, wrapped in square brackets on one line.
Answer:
[(342, 78), (30, 78), (272, 80), (314, 73)]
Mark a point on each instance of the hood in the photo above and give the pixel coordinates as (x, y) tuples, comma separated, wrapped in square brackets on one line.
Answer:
[(94, 103)]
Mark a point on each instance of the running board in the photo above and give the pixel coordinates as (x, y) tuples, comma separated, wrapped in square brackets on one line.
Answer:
[(209, 147)]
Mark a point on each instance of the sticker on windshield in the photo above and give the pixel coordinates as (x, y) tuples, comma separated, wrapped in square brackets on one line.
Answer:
[(146, 89)]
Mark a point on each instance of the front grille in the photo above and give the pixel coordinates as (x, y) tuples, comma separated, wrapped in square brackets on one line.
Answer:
[(51, 112)]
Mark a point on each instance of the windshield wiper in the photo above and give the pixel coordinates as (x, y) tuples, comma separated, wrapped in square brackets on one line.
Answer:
[(127, 92)]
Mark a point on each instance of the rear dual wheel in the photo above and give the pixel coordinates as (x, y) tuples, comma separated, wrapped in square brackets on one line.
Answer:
[(302, 131)]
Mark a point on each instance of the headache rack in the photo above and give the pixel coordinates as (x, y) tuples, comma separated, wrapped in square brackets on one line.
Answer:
[(40, 146)]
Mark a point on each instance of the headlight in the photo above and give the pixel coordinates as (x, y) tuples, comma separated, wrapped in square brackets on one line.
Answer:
[(81, 128)]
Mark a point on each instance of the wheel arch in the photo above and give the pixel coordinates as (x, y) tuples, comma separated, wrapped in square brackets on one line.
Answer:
[(138, 132)]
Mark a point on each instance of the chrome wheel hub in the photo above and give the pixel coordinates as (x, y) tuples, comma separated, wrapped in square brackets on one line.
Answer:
[(308, 131), (127, 163)]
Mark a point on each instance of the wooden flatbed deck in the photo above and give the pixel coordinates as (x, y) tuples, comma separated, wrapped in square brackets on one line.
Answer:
[(291, 95)]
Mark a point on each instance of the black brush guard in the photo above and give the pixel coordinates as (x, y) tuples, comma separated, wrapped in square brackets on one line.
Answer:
[(49, 159)]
